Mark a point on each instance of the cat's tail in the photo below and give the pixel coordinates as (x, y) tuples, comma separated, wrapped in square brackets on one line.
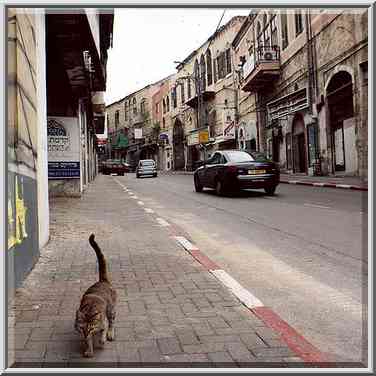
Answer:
[(103, 275)]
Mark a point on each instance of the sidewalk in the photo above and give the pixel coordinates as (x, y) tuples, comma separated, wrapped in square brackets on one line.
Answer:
[(171, 312), (342, 182)]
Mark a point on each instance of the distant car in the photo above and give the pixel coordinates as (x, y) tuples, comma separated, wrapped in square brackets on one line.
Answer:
[(232, 170), (146, 167), (115, 166)]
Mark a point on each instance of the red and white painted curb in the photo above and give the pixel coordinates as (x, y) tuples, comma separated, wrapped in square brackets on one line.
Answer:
[(296, 342), (325, 185)]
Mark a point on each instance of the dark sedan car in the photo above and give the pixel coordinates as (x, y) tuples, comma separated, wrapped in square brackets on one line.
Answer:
[(114, 166), (232, 170)]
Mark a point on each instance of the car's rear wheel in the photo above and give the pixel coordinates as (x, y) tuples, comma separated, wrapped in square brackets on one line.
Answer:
[(270, 190), (137, 176), (198, 186)]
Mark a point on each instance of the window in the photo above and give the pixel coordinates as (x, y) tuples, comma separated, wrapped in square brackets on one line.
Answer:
[(215, 70), (163, 123), (157, 108), (209, 67), (202, 73), (285, 38), (259, 35), (298, 22), (167, 103), (125, 110), (239, 156), (116, 119), (266, 31), (189, 88), (228, 61), (142, 107), (182, 92), (134, 106), (173, 97), (221, 63), (196, 75), (215, 159), (273, 26), (164, 105)]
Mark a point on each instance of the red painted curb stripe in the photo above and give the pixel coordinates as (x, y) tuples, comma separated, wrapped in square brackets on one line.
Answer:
[(204, 260), (325, 185), (293, 339)]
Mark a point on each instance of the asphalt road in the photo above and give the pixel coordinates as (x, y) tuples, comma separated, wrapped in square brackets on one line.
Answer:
[(302, 252)]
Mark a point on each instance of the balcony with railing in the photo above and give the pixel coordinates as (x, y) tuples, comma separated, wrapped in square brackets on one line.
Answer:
[(261, 68)]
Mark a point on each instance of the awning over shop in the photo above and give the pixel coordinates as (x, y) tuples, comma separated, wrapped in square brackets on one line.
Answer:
[(122, 142)]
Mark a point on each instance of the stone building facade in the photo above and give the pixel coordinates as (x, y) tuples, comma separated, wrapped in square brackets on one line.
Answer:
[(162, 123), (303, 88), (204, 99), (131, 129)]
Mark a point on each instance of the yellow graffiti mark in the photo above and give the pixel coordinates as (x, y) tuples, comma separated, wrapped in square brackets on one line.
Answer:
[(16, 220)]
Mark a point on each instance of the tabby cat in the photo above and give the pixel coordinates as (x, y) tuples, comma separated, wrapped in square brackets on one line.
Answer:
[(97, 303)]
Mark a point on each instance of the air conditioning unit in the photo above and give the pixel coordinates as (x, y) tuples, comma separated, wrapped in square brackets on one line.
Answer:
[(268, 54)]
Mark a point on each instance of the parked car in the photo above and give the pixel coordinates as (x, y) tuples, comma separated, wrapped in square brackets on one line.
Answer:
[(115, 166), (146, 167), (232, 170)]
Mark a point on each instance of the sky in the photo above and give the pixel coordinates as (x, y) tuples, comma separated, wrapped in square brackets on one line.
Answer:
[(146, 42)]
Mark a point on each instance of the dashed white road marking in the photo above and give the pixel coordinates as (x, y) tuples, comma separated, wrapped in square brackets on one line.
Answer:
[(134, 197), (140, 203), (186, 243), (238, 290), (317, 206), (162, 222), (149, 210)]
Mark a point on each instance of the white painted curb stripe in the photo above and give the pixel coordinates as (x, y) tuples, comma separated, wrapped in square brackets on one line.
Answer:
[(238, 290), (140, 203), (162, 222), (293, 181), (149, 210), (186, 243), (343, 186), (319, 184)]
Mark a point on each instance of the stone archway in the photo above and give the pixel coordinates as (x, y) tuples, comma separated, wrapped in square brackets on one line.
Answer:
[(299, 149), (178, 144), (339, 97)]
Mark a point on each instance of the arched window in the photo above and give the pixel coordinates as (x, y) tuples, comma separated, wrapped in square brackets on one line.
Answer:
[(197, 75), (164, 106), (202, 73), (189, 88), (259, 35), (285, 38), (209, 67), (134, 106), (273, 26), (126, 110), (167, 103), (266, 30), (182, 92)]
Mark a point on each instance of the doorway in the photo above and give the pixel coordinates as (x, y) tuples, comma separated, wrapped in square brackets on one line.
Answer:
[(341, 107), (299, 145)]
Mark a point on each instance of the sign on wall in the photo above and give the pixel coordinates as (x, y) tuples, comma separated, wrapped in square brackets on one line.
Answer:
[(137, 133), (229, 124), (63, 148)]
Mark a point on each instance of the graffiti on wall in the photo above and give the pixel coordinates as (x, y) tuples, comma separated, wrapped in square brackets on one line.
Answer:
[(17, 211)]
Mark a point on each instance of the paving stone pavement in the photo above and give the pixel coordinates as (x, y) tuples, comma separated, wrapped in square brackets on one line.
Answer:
[(171, 311)]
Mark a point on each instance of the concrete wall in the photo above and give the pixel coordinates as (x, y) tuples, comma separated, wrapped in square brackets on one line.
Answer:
[(25, 69)]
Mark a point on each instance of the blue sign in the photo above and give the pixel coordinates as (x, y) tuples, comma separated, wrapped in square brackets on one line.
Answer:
[(163, 136), (63, 170)]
